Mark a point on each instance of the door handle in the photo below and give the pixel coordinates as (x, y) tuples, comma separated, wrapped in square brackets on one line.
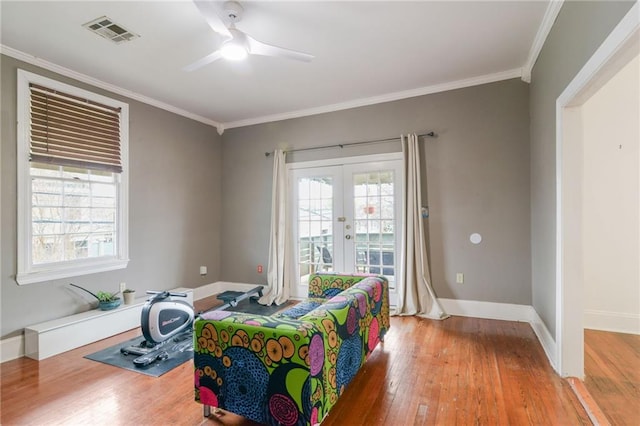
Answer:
[(348, 237)]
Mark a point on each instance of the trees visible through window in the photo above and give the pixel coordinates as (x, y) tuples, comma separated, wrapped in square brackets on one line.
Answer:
[(73, 213), (72, 164)]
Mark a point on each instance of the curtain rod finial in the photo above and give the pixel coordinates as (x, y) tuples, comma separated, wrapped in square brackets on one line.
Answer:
[(432, 134), (266, 154)]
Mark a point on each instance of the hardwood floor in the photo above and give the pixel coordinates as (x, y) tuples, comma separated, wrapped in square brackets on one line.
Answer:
[(458, 371), (612, 370)]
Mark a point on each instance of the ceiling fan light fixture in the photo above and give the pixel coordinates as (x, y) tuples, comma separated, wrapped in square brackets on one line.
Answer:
[(237, 45), (233, 51)]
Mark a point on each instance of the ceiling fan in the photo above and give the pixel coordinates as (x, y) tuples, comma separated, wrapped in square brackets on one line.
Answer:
[(237, 44)]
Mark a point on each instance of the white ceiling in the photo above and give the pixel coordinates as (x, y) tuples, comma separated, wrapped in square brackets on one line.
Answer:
[(365, 52)]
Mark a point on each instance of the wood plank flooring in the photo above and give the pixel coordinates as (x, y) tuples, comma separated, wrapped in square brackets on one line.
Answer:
[(612, 370), (460, 371)]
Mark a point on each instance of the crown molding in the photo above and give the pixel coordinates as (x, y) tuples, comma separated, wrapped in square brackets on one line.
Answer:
[(550, 15), (389, 97), (221, 127), (33, 60)]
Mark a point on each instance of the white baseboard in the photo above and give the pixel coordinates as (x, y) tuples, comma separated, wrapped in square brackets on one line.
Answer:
[(612, 321), (544, 336), (505, 312), (465, 308), (487, 310), (11, 348)]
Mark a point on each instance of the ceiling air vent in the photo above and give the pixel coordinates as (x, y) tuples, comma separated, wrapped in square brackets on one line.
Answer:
[(108, 29)]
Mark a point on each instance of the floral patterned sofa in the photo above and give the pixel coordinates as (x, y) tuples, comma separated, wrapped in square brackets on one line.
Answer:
[(290, 368)]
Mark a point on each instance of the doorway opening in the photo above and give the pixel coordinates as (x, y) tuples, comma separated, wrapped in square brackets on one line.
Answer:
[(618, 50)]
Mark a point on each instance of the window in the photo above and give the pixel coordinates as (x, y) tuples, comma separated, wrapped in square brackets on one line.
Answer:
[(72, 181)]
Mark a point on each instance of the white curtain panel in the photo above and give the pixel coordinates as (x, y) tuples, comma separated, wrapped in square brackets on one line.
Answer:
[(280, 260), (415, 294)]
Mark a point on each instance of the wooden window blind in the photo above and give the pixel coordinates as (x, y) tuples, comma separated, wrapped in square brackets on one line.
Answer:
[(71, 131)]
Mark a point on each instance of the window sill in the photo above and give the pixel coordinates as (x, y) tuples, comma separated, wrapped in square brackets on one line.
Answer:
[(74, 270)]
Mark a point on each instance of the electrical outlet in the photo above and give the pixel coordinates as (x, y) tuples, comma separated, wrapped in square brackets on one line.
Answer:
[(203, 270), (123, 287), (460, 278), (259, 269)]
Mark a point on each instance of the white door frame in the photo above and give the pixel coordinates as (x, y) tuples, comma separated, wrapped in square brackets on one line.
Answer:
[(620, 46), (346, 160)]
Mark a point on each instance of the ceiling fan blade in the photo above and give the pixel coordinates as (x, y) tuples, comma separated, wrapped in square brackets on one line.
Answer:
[(204, 61), (259, 48), (209, 12)]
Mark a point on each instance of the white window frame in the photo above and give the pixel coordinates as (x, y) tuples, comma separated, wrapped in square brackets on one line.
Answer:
[(28, 272)]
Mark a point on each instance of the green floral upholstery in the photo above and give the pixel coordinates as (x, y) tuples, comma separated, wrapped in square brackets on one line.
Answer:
[(328, 285), (281, 371)]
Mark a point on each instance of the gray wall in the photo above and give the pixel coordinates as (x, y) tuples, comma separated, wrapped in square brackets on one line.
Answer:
[(477, 178), (174, 209), (579, 30)]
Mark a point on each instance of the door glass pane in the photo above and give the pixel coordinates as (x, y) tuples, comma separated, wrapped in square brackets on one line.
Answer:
[(315, 226), (374, 223)]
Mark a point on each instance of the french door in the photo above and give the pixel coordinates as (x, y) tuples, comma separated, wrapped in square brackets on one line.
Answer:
[(347, 217)]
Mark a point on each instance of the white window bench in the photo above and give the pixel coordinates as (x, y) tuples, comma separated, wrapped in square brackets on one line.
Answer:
[(60, 335)]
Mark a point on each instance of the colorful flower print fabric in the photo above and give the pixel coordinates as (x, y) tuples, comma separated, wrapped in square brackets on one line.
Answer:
[(256, 366), (301, 308), (328, 285), (282, 371), (352, 324)]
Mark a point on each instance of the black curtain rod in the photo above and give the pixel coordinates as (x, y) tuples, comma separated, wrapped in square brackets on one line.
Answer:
[(342, 145)]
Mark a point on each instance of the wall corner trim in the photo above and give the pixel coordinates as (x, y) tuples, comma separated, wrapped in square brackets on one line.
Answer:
[(544, 336), (389, 97), (39, 62), (550, 15)]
